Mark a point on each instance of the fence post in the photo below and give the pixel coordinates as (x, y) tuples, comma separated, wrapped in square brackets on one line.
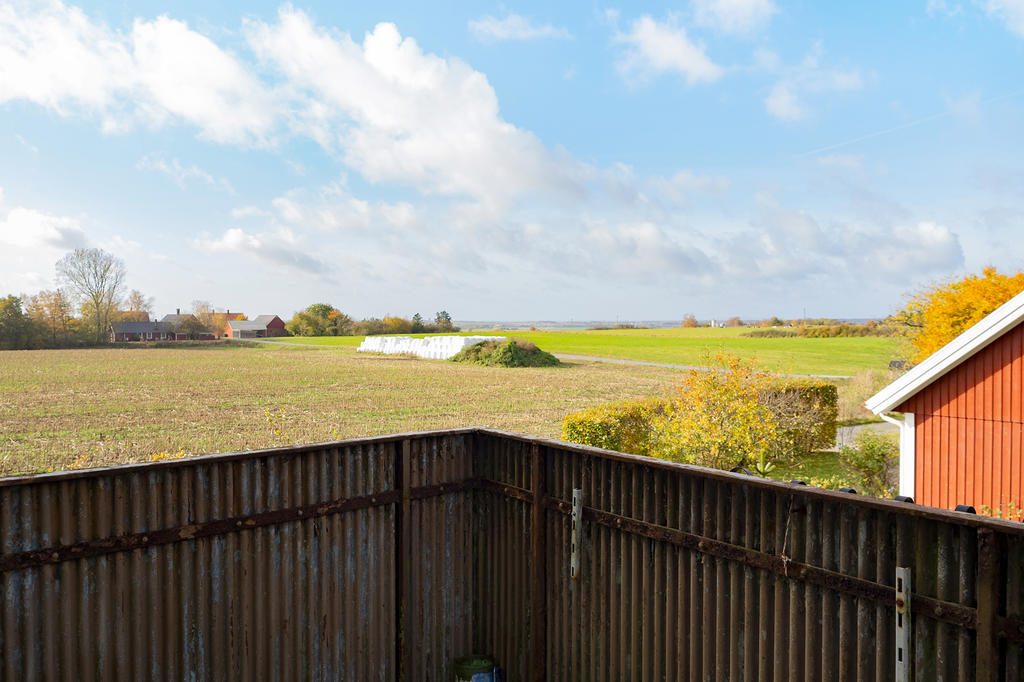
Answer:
[(538, 586), (403, 552), (987, 661)]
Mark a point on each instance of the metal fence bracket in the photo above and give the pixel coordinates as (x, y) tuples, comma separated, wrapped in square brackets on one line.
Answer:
[(904, 654), (577, 527)]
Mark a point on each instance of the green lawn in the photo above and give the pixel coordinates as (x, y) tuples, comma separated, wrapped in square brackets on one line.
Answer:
[(795, 355)]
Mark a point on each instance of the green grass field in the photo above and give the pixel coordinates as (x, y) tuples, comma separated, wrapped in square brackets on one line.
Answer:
[(792, 355)]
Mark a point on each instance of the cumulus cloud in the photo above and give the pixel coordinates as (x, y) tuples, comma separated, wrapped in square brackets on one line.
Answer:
[(642, 248), (796, 244), (922, 248), (334, 209), (734, 16), (31, 241), (388, 109), (401, 115), (787, 99), (180, 174), (514, 27), (685, 184), (281, 247), (505, 203), (185, 75), (241, 212), (56, 57), (159, 72), (1010, 12), (656, 47)]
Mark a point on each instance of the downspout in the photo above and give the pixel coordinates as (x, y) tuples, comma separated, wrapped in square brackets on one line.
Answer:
[(907, 450)]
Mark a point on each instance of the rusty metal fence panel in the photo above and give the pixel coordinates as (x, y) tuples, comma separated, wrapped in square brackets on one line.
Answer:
[(387, 558), (689, 574), (282, 564)]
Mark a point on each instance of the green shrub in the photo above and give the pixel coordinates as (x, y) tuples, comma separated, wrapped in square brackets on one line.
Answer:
[(874, 459), (511, 353), (770, 333), (831, 331), (809, 409), (624, 426), (736, 416)]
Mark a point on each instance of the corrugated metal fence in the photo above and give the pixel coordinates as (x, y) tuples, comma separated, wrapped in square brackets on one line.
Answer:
[(386, 558)]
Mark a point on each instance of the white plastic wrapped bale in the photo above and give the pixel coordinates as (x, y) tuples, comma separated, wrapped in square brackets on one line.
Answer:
[(432, 347)]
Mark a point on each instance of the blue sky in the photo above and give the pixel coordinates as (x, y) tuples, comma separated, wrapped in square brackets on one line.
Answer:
[(516, 161)]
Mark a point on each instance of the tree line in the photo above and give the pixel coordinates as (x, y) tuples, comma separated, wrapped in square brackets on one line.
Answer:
[(323, 319), (89, 296)]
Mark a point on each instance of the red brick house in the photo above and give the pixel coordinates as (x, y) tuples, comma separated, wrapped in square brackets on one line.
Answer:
[(261, 327), (963, 416)]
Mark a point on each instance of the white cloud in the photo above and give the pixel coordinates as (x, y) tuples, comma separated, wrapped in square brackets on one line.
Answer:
[(386, 108), (1010, 12), (185, 74), (401, 115), (334, 209), (31, 242), (56, 57), (654, 48), (642, 248), (161, 72), (787, 98), (182, 174), (783, 104), (796, 244), (685, 184), (514, 27), (281, 247), (734, 16), (922, 248), (248, 212)]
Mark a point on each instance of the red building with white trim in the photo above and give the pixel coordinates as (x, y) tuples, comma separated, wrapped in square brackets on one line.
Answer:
[(961, 435), (260, 327)]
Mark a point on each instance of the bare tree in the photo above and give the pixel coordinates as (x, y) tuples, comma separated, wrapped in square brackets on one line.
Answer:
[(97, 279), (206, 315), (138, 307)]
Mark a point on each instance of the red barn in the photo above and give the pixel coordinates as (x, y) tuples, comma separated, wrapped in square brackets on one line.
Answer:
[(259, 327), (961, 434)]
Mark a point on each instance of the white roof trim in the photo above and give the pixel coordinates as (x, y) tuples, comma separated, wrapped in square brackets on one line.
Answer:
[(973, 339)]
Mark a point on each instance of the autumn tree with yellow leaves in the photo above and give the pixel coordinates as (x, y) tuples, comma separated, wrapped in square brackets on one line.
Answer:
[(938, 313)]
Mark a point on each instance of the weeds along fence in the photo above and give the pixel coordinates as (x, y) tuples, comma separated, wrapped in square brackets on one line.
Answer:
[(386, 558)]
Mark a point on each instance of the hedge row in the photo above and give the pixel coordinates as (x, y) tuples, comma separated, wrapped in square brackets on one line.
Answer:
[(625, 426), (813, 395)]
